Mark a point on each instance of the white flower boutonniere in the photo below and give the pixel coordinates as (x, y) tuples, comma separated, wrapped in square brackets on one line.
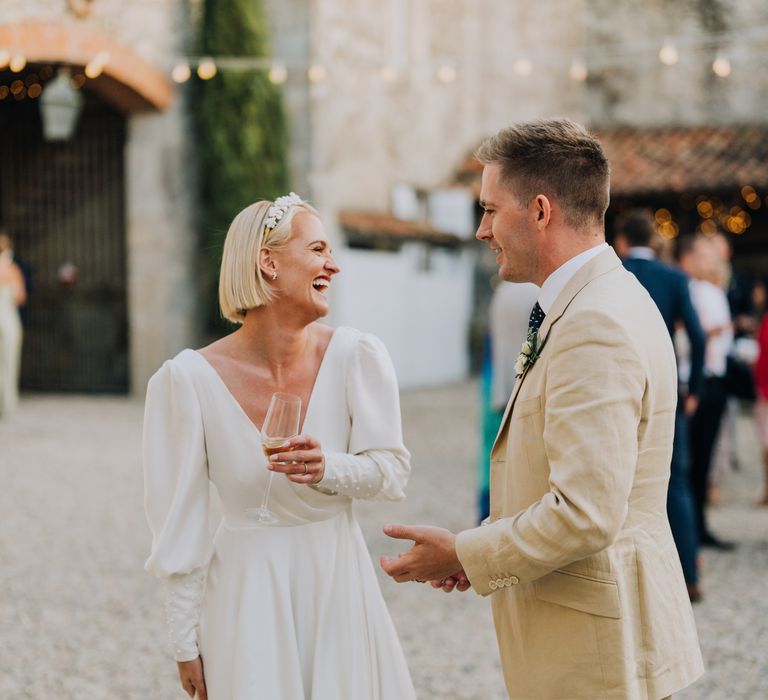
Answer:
[(529, 353)]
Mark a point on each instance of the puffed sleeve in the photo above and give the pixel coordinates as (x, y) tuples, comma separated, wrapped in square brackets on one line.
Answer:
[(377, 464), (176, 493)]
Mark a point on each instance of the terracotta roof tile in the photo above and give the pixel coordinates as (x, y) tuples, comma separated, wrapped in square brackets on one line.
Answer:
[(677, 159), (370, 226)]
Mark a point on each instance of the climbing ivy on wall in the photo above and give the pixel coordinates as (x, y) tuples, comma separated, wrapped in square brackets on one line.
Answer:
[(241, 132)]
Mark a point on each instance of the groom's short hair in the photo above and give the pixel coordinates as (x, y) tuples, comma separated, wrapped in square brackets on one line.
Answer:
[(556, 158)]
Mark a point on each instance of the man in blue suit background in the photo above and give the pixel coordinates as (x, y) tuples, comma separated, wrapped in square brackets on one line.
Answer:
[(668, 288)]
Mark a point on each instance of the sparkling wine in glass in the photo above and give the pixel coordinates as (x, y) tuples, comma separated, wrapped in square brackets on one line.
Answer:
[(281, 423)]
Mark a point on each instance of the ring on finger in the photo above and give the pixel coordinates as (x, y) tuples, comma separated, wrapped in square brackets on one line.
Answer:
[(306, 468)]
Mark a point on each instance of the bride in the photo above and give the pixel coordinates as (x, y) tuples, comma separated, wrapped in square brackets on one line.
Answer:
[(293, 610), (12, 295)]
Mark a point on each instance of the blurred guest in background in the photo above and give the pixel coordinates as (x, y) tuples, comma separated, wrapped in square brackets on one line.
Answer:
[(510, 307), (759, 299), (12, 295), (668, 288), (739, 379), (761, 407), (737, 287), (698, 259)]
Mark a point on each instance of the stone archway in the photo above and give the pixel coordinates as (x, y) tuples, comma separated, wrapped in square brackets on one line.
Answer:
[(128, 82), (66, 204)]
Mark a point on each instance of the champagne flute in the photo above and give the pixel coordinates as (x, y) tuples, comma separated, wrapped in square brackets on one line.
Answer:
[(281, 423)]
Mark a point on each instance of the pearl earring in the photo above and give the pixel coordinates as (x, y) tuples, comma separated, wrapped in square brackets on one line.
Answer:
[(274, 275)]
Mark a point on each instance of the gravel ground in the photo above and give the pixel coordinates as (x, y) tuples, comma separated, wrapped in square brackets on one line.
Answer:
[(79, 618)]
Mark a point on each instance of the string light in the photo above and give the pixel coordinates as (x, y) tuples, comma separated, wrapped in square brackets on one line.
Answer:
[(18, 63), (388, 74), (522, 66), (447, 73), (721, 66), (95, 67), (751, 197), (278, 73), (181, 73), (317, 73), (578, 71), (206, 69), (35, 90), (5, 58), (668, 54)]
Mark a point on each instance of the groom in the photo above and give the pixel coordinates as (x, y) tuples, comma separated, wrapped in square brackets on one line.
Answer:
[(588, 597)]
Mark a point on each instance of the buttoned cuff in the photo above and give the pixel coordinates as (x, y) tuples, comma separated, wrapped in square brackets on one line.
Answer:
[(470, 546), (350, 475), (183, 595)]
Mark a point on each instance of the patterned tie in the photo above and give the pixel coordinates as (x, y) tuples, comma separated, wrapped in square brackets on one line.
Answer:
[(535, 319)]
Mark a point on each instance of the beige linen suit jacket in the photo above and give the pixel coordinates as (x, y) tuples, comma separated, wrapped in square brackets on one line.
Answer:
[(587, 590)]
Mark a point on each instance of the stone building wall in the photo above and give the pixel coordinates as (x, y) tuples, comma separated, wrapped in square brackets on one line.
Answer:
[(368, 135), (628, 84)]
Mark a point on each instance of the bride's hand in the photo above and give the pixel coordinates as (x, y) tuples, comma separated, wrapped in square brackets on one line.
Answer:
[(459, 581), (301, 460), (191, 676)]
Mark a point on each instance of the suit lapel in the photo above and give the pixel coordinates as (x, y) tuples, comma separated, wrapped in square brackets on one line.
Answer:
[(599, 265)]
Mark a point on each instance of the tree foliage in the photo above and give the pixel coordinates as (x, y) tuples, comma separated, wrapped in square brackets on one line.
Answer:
[(241, 130)]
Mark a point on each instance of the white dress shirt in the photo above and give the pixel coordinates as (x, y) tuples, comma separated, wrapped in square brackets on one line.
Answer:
[(555, 283), (641, 252), (509, 312), (711, 305)]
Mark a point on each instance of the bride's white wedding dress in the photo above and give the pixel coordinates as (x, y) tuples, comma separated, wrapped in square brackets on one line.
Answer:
[(291, 611)]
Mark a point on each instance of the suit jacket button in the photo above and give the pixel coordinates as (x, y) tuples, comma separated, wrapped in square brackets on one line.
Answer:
[(514, 580), (508, 581), (492, 585)]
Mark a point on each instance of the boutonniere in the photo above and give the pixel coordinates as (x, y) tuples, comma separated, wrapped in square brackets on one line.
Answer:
[(529, 353)]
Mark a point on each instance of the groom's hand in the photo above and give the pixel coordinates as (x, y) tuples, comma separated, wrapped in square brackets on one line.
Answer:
[(432, 557)]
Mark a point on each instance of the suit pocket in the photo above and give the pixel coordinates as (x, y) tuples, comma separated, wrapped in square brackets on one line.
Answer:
[(580, 592), (526, 407)]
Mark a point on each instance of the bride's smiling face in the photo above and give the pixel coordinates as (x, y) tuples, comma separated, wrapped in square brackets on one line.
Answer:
[(305, 267)]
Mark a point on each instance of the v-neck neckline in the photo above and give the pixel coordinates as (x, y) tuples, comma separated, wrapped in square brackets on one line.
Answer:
[(239, 406)]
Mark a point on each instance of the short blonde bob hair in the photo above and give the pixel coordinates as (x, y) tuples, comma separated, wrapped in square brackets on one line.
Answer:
[(241, 284)]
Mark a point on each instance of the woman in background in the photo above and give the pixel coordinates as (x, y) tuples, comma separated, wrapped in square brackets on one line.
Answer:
[(12, 295)]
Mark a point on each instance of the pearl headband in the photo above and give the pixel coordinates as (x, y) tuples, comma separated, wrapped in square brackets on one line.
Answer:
[(278, 209)]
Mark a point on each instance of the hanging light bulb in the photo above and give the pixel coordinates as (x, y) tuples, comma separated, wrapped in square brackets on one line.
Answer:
[(18, 63), (5, 58), (721, 66), (317, 73), (578, 71), (447, 73), (388, 74), (95, 67), (668, 54), (522, 66), (181, 73), (278, 73), (206, 69)]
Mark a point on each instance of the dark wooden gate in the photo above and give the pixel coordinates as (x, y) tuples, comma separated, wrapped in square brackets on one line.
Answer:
[(64, 205)]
